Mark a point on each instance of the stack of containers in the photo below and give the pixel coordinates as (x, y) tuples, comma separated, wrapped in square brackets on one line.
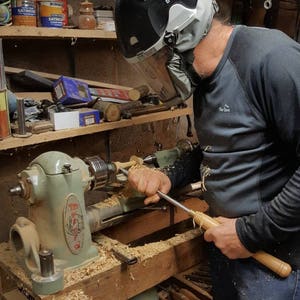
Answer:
[(42, 13)]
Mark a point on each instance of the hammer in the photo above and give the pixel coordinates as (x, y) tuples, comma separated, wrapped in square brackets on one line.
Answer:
[(273, 263)]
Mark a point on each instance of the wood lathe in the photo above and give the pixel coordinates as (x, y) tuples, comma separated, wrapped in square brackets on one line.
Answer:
[(57, 234)]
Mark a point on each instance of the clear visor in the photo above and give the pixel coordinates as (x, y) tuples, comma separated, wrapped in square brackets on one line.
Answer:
[(154, 71)]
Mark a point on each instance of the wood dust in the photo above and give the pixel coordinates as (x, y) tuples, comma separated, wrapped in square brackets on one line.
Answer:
[(105, 261), (8, 259), (73, 295), (109, 202), (148, 250)]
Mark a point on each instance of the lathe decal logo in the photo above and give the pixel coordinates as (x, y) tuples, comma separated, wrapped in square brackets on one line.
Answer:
[(73, 224)]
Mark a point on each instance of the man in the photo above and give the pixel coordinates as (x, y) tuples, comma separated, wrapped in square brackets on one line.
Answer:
[(247, 117)]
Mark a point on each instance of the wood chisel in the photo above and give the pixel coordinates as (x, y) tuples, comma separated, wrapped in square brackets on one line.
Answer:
[(278, 266)]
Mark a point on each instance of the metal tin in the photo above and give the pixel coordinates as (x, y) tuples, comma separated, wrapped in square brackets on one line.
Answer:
[(24, 12), (50, 14)]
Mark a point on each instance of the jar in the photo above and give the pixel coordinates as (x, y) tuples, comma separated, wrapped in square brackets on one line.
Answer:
[(86, 18)]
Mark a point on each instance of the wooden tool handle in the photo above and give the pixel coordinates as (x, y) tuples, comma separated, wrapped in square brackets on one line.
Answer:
[(273, 263)]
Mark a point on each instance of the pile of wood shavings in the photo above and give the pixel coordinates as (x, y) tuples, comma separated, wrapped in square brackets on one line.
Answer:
[(73, 295), (109, 202), (104, 262), (149, 250)]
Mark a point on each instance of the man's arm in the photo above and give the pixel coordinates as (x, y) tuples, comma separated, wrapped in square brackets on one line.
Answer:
[(278, 218), (185, 170)]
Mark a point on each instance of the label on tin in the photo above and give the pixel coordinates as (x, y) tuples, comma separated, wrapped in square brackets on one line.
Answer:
[(73, 224)]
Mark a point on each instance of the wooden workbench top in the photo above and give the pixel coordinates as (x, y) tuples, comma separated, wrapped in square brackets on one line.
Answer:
[(107, 278)]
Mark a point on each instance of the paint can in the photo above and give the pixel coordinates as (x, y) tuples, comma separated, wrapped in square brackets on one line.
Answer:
[(5, 12), (50, 14), (24, 12)]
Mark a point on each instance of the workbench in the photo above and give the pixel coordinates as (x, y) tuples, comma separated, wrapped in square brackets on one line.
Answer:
[(108, 278)]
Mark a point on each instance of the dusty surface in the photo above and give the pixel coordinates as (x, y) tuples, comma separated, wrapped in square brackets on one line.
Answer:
[(77, 294), (104, 262), (151, 249), (109, 202)]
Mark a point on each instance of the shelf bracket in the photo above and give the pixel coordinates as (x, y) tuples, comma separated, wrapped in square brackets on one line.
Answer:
[(73, 41)]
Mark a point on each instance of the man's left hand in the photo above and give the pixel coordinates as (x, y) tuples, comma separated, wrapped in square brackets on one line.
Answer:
[(226, 239)]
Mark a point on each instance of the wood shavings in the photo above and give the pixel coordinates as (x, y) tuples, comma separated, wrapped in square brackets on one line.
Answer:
[(137, 166), (105, 261), (109, 202), (77, 294), (12, 264), (76, 277), (150, 250), (131, 276)]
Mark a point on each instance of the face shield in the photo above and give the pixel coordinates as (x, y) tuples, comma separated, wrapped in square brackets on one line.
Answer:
[(156, 75), (163, 53)]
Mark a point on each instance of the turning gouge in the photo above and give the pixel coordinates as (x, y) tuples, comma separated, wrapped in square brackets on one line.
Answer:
[(273, 263)]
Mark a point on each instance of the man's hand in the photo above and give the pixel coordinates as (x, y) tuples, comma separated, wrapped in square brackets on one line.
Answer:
[(226, 239), (149, 181)]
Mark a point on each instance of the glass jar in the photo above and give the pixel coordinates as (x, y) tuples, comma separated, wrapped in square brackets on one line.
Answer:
[(86, 18)]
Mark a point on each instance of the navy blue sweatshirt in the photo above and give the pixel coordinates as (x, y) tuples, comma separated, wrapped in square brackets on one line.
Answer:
[(247, 117)]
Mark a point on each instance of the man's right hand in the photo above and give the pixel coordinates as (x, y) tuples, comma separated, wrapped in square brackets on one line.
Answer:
[(149, 181)]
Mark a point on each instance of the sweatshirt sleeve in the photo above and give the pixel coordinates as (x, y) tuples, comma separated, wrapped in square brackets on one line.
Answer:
[(185, 169), (278, 218)]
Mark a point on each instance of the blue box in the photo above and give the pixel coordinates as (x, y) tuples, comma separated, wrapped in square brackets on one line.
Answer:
[(88, 116), (69, 91)]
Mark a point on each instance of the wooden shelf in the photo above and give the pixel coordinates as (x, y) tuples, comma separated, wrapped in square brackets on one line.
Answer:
[(58, 33), (14, 142)]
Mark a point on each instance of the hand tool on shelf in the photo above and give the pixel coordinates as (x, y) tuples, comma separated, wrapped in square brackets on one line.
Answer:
[(273, 263)]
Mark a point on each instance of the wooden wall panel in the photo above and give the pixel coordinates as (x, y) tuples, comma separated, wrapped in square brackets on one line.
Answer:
[(97, 60)]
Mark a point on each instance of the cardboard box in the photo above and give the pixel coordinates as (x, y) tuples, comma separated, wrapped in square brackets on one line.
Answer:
[(88, 116), (69, 91), (64, 120)]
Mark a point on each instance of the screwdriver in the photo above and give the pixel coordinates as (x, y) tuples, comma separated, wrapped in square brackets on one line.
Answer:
[(275, 264)]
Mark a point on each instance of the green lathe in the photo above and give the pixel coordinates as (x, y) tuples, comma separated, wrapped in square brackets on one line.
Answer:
[(57, 234)]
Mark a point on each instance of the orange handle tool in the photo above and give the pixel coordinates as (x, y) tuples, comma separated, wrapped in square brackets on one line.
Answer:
[(273, 263)]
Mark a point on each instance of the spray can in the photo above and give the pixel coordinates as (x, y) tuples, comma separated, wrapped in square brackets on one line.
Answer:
[(4, 116), (4, 112), (5, 12)]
